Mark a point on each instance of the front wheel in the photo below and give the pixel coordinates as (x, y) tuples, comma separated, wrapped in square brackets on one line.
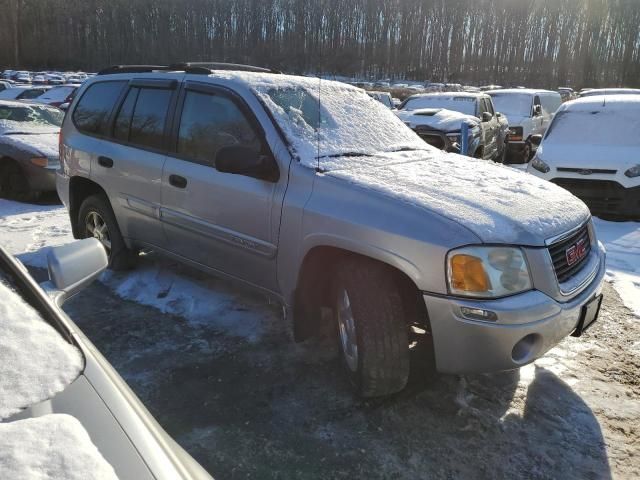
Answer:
[(372, 328), (96, 219)]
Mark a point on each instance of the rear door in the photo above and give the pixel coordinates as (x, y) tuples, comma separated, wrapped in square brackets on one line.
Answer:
[(224, 221), (490, 129), (129, 166)]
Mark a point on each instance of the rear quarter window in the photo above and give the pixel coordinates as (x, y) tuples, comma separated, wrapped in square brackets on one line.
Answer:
[(92, 111)]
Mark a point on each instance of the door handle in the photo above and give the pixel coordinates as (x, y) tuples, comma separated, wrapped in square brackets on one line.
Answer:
[(178, 181), (105, 162)]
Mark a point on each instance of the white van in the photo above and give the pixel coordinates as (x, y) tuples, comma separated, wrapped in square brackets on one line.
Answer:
[(592, 149), (529, 112)]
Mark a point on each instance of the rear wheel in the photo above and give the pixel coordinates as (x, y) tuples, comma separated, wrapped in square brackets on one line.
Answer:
[(14, 184), (96, 219), (373, 333)]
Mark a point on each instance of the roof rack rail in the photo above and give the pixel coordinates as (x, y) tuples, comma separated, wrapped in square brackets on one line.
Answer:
[(203, 68)]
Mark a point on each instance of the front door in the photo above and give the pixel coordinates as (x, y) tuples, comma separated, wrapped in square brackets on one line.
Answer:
[(225, 221)]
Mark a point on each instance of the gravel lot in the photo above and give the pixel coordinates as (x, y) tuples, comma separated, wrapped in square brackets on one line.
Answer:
[(217, 367), (261, 406)]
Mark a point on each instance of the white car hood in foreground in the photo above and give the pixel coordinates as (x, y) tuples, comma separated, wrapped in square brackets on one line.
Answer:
[(437, 119), (497, 203)]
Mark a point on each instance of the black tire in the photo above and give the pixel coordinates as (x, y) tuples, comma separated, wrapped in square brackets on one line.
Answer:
[(14, 184), (381, 329), (120, 257), (527, 153)]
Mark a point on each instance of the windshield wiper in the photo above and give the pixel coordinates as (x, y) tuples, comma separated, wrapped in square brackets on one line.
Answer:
[(345, 154)]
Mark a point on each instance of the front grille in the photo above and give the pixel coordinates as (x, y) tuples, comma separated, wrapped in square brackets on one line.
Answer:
[(588, 171), (558, 252), (433, 138)]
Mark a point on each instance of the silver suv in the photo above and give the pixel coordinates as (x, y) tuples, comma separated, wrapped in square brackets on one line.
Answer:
[(314, 192)]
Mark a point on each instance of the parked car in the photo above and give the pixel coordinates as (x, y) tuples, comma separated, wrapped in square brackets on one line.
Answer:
[(4, 85), (28, 149), (23, 92), (124, 432), (530, 112), (57, 96), (609, 91), (592, 149), (22, 77), (438, 119), (382, 97), (566, 93), (267, 179), (54, 79)]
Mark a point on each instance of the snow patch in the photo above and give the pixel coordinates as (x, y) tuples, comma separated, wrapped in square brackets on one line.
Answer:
[(622, 241), (36, 362), (55, 447)]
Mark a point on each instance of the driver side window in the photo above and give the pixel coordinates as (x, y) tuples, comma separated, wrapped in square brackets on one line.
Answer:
[(210, 122)]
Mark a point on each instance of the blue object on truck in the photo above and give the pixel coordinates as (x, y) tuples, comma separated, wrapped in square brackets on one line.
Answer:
[(464, 138)]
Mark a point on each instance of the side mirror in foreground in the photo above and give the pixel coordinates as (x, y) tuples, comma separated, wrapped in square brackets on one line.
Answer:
[(73, 267), (487, 116)]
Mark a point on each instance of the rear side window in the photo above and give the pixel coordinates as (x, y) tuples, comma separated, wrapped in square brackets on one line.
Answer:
[(142, 117), (31, 93), (92, 112), (210, 122)]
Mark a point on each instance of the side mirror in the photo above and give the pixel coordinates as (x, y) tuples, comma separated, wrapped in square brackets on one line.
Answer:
[(240, 160), (535, 140), (65, 106), (487, 116), (73, 267), (537, 110)]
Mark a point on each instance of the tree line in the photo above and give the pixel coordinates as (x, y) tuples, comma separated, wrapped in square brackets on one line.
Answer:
[(533, 42)]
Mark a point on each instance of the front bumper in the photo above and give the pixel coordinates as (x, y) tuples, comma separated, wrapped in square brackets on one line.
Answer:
[(40, 179), (527, 326), (604, 197)]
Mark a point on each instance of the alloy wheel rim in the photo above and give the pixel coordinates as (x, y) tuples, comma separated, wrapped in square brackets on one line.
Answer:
[(97, 228), (347, 331)]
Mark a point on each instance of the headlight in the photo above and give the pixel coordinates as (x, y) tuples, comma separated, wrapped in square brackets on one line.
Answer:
[(633, 172), (539, 165), (487, 272), (40, 161)]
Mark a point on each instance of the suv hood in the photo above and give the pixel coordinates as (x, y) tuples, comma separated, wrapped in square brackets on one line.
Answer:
[(437, 119), (497, 203)]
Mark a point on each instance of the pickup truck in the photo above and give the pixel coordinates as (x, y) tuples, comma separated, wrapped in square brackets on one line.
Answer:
[(438, 117), (318, 195)]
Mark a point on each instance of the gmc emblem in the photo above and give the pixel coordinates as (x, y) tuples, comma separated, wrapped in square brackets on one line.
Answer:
[(576, 252)]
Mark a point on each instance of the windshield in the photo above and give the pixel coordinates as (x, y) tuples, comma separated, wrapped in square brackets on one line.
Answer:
[(512, 104), (33, 114), (600, 127), (334, 121), (466, 105)]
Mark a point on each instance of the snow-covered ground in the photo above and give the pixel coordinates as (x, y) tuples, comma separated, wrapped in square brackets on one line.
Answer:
[(29, 230), (269, 405)]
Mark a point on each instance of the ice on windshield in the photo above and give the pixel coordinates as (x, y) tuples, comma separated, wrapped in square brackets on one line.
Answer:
[(326, 119), (466, 105), (35, 361), (31, 114), (512, 104), (598, 127)]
